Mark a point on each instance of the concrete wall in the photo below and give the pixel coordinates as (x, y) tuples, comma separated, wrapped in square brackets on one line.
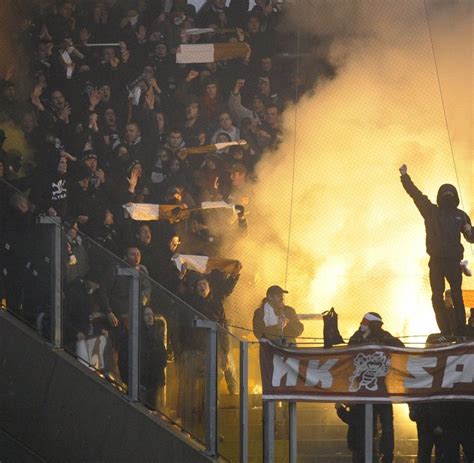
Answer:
[(13, 451), (63, 412)]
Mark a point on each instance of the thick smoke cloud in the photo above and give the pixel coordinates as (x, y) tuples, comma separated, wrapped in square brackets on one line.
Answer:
[(329, 202), (348, 232)]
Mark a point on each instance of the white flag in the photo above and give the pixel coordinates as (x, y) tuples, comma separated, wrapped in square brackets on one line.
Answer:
[(139, 211), (196, 53), (216, 205), (196, 263), (198, 31)]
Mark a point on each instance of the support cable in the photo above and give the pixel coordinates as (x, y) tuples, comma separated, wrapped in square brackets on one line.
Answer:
[(444, 109), (294, 151)]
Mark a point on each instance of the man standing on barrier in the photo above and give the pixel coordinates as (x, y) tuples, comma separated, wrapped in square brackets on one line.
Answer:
[(444, 223), (276, 321)]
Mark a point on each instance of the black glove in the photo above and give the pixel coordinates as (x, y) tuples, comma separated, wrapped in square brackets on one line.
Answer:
[(240, 211)]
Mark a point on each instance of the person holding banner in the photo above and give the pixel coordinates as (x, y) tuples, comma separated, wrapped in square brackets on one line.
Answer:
[(276, 321), (371, 332), (444, 223), (211, 304)]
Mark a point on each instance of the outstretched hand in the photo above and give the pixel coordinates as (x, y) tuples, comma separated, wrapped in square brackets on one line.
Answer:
[(192, 75), (141, 34), (133, 180), (113, 320), (403, 169), (94, 99)]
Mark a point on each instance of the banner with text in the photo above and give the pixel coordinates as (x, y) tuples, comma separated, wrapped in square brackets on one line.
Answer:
[(367, 373)]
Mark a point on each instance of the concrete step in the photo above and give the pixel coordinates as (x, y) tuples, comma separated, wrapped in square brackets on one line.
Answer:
[(327, 446), (321, 434), (346, 459), (342, 454), (311, 413), (325, 459), (306, 431)]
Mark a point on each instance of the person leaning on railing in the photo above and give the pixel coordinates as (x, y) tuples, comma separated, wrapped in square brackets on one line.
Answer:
[(114, 293), (276, 321), (371, 332)]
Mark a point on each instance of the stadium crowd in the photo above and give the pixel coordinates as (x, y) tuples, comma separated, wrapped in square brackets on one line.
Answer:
[(119, 113), (141, 119)]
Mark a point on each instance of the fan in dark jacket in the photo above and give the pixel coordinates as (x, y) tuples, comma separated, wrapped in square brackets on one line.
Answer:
[(16, 237), (211, 305), (444, 223), (50, 188), (153, 358), (354, 416), (276, 321), (371, 332), (445, 424)]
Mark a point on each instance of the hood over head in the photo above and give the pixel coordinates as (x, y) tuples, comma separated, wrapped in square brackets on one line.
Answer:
[(447, 191)]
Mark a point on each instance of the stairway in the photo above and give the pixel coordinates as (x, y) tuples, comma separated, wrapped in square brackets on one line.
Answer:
[(54, 409), (321, 434)]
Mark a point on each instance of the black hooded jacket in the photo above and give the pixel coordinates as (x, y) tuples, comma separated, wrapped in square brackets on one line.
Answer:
[(444, 224)]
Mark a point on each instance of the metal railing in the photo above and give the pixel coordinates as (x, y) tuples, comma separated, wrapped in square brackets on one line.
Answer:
[(180, 318), (45, 248)]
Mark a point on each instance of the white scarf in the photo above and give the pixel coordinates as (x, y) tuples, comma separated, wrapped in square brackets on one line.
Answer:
[(270, 318)]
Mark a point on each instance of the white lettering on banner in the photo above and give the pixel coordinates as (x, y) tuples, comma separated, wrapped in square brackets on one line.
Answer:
[(416, 367), (281, 368), (459, 369), (316, 374)]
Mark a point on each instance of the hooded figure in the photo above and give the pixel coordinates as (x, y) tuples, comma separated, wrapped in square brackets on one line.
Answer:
[(444, 223)]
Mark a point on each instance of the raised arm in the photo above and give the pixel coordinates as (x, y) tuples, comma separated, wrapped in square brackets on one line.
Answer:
[(421, 201), (237, 110)]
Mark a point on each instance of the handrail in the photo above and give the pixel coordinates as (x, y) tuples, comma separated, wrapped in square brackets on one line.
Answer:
[(125, 264)]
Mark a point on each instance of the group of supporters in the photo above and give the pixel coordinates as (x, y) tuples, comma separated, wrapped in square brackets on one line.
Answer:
[(444, 428), (114, 118), (123, 110)]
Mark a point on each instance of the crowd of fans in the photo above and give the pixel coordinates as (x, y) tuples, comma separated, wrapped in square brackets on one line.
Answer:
[(123, 123), (113, 119)]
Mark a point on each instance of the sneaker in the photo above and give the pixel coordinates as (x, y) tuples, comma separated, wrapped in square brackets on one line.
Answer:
[(464, 268)]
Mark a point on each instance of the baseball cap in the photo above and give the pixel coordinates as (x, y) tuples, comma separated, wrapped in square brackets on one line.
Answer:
[(275, 289), (89, 154)]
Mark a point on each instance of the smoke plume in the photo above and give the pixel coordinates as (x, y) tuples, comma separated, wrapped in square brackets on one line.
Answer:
[(329, 217)]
